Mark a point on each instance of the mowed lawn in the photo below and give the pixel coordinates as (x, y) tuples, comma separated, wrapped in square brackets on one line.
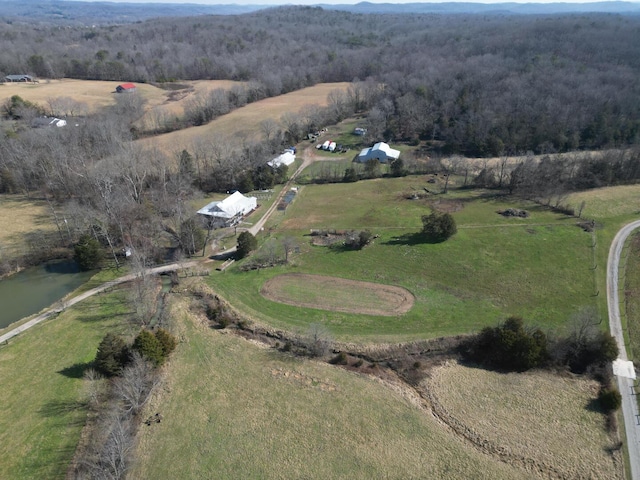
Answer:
[(232, 409), (244, 123), (42, 397), (494, 267)]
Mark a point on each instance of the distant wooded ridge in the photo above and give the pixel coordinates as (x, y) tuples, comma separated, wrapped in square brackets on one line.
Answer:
[(101, 13), (479, 85)]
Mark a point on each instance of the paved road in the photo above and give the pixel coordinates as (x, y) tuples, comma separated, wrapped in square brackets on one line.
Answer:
[(626, 385), (72, 301)]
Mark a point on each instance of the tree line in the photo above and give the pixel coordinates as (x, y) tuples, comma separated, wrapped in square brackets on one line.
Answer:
[(480, 85)]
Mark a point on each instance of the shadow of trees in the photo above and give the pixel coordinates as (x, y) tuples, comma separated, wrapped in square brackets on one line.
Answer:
[(76, 370), (410, 239)]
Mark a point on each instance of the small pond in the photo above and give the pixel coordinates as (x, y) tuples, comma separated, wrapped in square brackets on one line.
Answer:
[(35, 288)]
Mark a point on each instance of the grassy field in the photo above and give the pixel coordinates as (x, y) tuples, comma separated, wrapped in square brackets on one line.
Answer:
[(611, 208), (258, 414), (19, 217), (544, 418), (43, 404), (338, 294), (538, 268), (244, 123), (174, 101), (96, 94), (631, 306)]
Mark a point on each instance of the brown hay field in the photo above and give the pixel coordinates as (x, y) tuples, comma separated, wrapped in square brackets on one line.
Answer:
[(95, 94), (338, 294), (244, 123), (98, 94), (234, 409), (544, 422), (174, 102), (20, 216)]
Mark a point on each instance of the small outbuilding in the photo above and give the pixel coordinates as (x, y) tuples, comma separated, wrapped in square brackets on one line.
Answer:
[(48, 122), (287, 158), (229, 212), (18, 78), (383, 152), (126, 87)]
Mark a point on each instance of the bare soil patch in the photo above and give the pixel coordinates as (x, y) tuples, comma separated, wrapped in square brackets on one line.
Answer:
[(447, 206), (338, 294)]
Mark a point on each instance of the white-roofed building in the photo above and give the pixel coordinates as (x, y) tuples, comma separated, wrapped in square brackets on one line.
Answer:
[(287, 158), (383, 152), (229, 212)]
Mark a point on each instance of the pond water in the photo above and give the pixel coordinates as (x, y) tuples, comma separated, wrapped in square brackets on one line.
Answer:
[(35, 288)]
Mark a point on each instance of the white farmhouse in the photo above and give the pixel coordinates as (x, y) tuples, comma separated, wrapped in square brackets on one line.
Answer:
[(287, 158), (383, 152), (229, 212)]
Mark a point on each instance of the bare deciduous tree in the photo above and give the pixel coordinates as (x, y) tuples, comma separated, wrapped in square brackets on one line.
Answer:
[(134, 387)]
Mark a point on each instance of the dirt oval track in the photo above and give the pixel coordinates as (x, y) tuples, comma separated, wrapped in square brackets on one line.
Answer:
[(338, 294)]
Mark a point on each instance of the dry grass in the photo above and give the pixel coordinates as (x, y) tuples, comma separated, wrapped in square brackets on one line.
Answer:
[(608, 202), (18, 217), (244, 123), (94, 93), (98, 94), (173, 105), (540, 417), (338, 294), (232, 409)]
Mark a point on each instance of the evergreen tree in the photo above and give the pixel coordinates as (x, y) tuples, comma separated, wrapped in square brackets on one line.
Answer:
[(167, 341), (397, 168), (112, 355), (147, 345), (87, 253), (246, 243)]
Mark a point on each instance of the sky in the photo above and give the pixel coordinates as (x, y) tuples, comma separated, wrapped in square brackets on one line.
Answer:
[(317, 2)]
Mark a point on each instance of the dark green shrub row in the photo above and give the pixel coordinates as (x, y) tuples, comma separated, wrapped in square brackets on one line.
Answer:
[(114, 354)]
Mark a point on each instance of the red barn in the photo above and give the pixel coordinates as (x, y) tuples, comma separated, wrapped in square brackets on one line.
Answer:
[(126, 87)]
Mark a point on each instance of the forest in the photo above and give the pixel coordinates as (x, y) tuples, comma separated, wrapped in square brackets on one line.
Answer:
[(473, 85), (479, 85)]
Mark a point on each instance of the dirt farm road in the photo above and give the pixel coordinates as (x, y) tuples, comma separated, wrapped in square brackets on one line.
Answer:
[(50, 312), (255, 229), (625, 385), (307, 159)]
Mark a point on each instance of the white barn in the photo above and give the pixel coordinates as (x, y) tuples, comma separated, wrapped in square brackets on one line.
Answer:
[(229, 212), (287, 158), (383, 152)]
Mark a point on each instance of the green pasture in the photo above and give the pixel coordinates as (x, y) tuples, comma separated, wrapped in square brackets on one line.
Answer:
[(331, 169), (539, 267), (235, 410), (343, 134), (43, 404), (610, 208), (630, 307)]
